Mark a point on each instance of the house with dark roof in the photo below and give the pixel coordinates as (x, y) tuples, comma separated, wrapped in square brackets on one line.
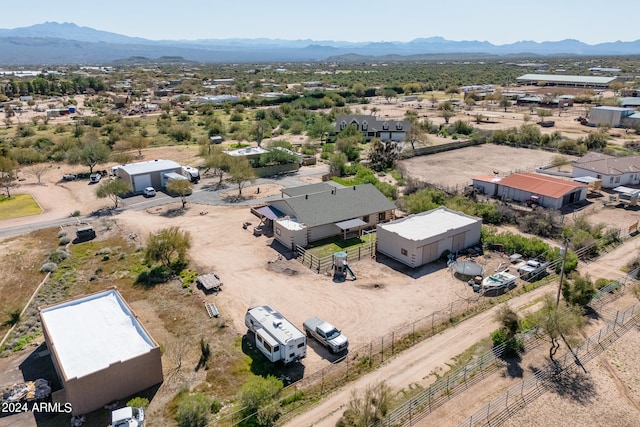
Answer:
[(612, 171), (545, 191), (316, 212), (384, 128)]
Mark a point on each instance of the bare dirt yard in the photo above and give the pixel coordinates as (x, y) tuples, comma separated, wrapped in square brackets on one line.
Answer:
[(255, 270), (454, 169)]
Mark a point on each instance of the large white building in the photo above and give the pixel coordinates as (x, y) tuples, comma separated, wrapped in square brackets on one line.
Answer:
[(422, 238), (147, 174), (100, 351)]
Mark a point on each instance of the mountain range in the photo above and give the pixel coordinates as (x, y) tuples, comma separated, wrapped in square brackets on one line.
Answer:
[(53, 43)]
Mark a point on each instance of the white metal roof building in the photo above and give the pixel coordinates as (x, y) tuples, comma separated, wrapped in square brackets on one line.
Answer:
[(99, 349), (566, 80), (422, 238), (146, 174)]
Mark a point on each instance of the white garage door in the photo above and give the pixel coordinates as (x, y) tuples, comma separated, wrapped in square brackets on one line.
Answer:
[(140, 182), (457, 242)]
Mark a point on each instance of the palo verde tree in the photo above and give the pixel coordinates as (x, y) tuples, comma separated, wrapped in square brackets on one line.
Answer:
[(168, 246), (181, 188), (89, 153), (367, 409), (383, 155), (8, 174), (113, 189), (558, 323), (507, 334), (215, 161), (241, 172)]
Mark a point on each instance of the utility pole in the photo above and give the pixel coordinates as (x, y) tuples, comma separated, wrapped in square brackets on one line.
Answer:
[(564, 251)]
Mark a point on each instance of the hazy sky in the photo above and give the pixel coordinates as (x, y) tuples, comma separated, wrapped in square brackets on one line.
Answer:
[(496, 21)]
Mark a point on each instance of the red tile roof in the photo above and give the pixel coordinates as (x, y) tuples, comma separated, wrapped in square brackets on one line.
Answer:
[(540, 184)]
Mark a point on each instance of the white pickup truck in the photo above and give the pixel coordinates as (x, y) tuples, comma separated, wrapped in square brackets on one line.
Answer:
[(326, 334)]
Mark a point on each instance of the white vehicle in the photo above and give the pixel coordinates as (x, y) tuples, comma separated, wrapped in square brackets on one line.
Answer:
[(127, 417), (326, 334), (276, 337), (532, 269), (192, 174), (95, 177), (149, 192)]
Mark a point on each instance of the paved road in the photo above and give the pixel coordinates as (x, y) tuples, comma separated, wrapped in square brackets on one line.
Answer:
[(206, 193)]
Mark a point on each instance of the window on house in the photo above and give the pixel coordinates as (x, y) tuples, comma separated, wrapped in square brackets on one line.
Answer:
[(365, 125), (617, 179), (381, 216), (365, 218), (385, 126), (599, 176), (611, 179), (403, 252), (343, 125), (398, 126)]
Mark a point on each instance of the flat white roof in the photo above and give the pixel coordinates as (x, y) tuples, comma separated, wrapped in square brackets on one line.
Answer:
[(246, 151), (91, 333), (291, 224), (428, 224), (150, 166)]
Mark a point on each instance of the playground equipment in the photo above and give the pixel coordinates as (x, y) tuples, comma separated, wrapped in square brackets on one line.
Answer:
[(341, 267)]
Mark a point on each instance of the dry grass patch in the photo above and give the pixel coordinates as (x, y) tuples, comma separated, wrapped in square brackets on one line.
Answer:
[(17, 206)]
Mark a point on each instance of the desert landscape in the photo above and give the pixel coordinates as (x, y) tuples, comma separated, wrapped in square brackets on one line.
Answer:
[(385, 297)]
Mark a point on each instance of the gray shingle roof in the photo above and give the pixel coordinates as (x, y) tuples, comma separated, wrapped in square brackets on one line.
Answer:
[(333, 206)]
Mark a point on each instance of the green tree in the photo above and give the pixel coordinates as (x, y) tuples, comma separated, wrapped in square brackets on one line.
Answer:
[(217, 162), (578, 291), (383, 155), (168, 246), (90, 153), (556, 323), (241, 172), (337, 163), (358, 89), (446, 111), (259, 392), (416, 135), (505, 103), (507, 334), (139, 143), (194, 410), (368, 409), (8, 174), (542, 113), (181, 188), (259, 129), (113, 189)]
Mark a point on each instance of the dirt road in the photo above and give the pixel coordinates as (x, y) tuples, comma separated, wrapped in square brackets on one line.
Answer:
[(417, 365)]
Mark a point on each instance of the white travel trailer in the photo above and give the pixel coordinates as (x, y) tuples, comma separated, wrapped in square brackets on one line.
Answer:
[(276, 337)]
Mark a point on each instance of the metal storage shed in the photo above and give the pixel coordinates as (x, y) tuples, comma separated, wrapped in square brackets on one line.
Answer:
[(146, 174), (422, 238)]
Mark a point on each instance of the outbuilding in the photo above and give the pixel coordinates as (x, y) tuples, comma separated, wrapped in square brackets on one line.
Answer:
[(147, 174), (422, 238), (100, 351)]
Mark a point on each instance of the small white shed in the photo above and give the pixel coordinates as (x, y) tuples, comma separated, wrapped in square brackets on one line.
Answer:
[(422, 238)]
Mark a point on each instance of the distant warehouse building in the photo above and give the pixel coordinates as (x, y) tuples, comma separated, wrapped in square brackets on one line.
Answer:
[(422, 238), (100, 351), (612, 116), (153, 173), (565, 80)]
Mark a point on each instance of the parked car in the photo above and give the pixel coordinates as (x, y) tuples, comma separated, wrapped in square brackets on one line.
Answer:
[(149, 192), (70, 177), (95, 177)]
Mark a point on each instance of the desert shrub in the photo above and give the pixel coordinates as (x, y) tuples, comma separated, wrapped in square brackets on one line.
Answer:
[(59, 255), (194, 410), (64, 240), (138, 402), (49, 267)]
